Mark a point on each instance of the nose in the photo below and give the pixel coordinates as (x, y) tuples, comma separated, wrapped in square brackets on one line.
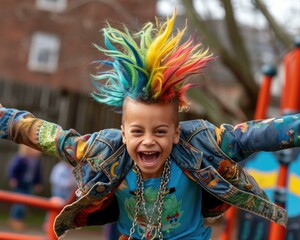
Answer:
[(148, 139)]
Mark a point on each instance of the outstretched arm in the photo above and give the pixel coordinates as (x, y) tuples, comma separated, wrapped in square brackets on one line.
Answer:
[(240, 141), (23, 127)]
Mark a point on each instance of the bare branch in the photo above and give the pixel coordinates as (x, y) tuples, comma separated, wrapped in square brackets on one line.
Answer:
[(236, 66), (234, 34), (282, 36)]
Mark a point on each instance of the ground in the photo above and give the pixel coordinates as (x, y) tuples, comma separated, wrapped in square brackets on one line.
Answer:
[(93, 233)]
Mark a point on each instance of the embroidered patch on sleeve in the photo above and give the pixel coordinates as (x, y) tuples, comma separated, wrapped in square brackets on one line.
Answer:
[(46, 138)]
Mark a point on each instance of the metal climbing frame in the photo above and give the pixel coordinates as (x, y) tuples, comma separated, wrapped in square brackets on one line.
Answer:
[(52, 205)]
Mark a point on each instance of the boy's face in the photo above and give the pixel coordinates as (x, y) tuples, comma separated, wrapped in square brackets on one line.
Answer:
[(149, 132)]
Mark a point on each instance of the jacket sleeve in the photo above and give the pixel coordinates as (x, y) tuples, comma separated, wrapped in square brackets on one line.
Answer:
[(50, 138), (273, 134)]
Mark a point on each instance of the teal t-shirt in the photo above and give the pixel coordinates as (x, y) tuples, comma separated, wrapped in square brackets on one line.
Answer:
[(181, 216)]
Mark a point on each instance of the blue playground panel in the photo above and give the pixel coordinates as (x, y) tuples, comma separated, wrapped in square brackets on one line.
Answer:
[(264, 168)]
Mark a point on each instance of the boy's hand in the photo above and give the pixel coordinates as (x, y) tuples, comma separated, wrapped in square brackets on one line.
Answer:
[(0, 105)]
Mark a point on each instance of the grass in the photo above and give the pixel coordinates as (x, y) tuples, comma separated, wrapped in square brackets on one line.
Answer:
[(34, 217)]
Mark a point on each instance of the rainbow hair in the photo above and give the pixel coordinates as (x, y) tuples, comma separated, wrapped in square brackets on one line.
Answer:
[(151, 66)]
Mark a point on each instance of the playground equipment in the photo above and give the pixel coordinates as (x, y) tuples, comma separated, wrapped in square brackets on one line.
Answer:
[(289, 104), (53, 206)]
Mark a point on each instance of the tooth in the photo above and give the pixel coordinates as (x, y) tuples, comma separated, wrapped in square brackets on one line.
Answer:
[(148, 153)]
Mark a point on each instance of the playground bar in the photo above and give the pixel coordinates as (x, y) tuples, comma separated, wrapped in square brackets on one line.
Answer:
[(52, 205), (269, 71)]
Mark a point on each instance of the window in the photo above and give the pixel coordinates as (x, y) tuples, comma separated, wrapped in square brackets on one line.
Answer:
[(52, 5), (44, 51)]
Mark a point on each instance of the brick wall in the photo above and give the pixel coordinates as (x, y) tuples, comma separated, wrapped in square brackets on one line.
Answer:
[(78, 27)]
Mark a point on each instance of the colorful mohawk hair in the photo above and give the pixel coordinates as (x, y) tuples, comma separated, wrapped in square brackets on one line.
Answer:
[(150, 65)]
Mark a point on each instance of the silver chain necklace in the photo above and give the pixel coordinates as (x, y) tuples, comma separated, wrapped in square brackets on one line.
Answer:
[(151, 230)]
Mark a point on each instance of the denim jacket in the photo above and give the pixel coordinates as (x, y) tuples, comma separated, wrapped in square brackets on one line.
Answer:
[(207, 154)]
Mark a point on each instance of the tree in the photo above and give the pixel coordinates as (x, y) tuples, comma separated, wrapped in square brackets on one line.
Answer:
[(236, 58)]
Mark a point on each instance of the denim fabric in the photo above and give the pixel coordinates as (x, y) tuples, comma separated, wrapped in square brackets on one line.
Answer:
[(17, 210), (207, 154)]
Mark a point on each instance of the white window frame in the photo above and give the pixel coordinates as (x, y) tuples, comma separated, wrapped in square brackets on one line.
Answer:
[(44, 52), (52, 5)]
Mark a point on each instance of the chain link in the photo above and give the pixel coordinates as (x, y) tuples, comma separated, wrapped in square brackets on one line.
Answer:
[(138, 204), (140, 199)]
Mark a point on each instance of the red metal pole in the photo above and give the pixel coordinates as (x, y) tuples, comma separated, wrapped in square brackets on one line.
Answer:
[(16, 236), (276, 231), (269, 71), (296, 77), (292, 105), (230, 216), (34, 201), (297, 65), (53, 206), (52, 215), (287, 61)]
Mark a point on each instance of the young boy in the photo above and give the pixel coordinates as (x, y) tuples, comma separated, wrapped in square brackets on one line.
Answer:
[(156, 177)]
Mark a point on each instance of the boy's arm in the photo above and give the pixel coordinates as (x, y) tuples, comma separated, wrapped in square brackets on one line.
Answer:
[(23, 127), (240, 141)]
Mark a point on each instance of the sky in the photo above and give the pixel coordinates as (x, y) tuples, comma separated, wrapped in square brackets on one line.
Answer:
[(286, 12)]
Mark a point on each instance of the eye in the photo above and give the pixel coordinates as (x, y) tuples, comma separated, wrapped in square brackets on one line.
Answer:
[(136, 131), (160, 132)]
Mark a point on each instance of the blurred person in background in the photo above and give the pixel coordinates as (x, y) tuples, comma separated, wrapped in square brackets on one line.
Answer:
[(24, 175), (63, 184), (62, 181)]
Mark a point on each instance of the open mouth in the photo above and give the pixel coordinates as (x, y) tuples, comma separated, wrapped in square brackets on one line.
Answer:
[(149, 158)]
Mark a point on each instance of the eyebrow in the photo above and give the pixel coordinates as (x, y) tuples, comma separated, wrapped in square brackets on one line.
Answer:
[(163, 125), (135, 125), (139, 126)]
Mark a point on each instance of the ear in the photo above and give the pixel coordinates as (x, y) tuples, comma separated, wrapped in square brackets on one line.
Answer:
[(177, 135), (123, 134)]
